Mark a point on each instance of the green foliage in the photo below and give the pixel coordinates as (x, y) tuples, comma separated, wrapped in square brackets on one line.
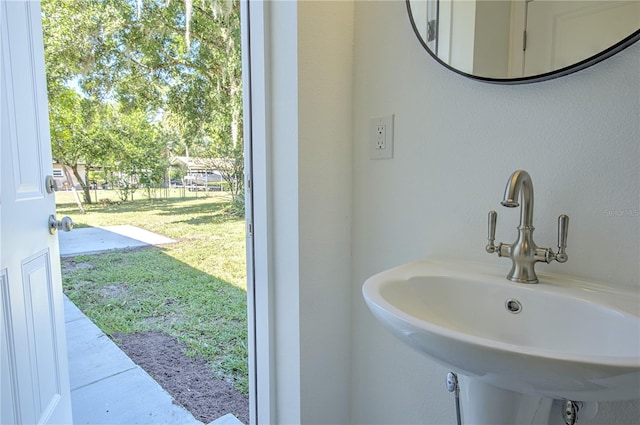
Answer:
[(238, 204), (129, 88), (138, 154), (177, 174), (77, 131)]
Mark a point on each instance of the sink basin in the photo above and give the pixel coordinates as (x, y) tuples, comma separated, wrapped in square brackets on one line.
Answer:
[(561, 338)]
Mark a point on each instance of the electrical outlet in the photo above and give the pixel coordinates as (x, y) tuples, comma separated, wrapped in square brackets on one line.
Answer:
[(381, 144), (381, 137)]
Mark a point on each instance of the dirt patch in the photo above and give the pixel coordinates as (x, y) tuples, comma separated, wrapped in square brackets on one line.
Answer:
[(114, 291), (189, 381), (69, 266)]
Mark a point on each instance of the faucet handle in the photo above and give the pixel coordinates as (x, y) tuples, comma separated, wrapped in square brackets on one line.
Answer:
[(493, 218), (563, 229)]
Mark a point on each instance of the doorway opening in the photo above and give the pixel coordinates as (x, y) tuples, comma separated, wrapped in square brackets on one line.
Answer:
[(146, 130)]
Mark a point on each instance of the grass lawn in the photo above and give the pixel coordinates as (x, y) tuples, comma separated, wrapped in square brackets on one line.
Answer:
[(194, 290)]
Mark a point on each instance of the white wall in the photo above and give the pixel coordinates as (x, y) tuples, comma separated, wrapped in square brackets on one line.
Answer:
[(461, 41), (456, 143), (282, 111), (325, 58), (492, 34), (308, 144)]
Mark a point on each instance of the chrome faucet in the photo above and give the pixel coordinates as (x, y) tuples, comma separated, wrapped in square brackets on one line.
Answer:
[(523, 252)]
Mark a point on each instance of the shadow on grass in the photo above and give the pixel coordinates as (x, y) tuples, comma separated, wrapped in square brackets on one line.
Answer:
[(211, 218), (146, 289), (186, 210), (213, 206), (166, 206)]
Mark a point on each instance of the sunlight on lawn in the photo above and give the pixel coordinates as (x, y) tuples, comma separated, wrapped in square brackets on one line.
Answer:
[(194, 289), (209, 238)]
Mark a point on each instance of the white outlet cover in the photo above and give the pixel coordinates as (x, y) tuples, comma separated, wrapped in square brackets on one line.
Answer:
[(386, 153)]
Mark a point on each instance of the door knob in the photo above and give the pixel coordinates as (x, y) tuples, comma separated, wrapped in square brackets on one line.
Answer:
[(66, 224)]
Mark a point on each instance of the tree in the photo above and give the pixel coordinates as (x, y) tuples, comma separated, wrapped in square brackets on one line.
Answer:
[(139, 155), (177, 63), (77, 133)]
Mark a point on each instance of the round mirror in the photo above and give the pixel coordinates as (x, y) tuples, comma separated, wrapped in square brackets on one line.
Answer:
[(523, 41)]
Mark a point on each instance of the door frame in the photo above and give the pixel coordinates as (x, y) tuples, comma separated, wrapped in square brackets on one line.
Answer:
[(254, 24)]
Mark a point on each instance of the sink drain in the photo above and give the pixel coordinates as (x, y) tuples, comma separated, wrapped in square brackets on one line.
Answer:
[(513, 306)]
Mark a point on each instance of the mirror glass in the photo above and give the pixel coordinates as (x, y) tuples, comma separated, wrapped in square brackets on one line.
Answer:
[(512, 41)]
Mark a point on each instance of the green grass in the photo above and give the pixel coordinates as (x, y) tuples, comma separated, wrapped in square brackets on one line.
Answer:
[(194, 290)]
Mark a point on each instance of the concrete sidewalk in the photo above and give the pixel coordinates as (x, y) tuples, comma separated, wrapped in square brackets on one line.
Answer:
[(93, 240), (107, 387)]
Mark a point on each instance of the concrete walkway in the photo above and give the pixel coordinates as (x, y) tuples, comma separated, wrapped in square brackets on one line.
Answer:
[(107, 387), (93, 240)]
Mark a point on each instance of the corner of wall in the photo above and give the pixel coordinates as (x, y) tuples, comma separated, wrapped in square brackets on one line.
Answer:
[(325, 57)]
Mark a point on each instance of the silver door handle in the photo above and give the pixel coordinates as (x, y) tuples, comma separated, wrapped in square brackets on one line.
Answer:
[(66, 224)]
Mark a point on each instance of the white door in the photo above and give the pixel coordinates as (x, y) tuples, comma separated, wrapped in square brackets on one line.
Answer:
[(555, 28), (34, 375)]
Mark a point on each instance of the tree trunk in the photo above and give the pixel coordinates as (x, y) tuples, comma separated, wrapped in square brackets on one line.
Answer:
[(235, 114), (86, 189), (73, 188)]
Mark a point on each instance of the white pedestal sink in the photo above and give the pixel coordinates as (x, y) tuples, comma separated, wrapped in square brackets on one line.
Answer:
[(560, 339)]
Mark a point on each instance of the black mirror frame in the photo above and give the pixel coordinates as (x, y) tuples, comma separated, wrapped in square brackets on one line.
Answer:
[(621, 45)]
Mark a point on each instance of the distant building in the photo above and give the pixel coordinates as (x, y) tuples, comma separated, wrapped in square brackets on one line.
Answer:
[(61, 179), (200, 173)]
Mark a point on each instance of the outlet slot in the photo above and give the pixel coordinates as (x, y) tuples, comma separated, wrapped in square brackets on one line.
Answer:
[(381, 145)]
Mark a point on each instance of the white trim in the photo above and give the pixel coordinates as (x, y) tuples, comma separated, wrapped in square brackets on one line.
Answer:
[(257, 152), (298, 77)]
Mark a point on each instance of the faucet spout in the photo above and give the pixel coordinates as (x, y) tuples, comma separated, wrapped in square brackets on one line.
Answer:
[(520, 186), (524, 253)]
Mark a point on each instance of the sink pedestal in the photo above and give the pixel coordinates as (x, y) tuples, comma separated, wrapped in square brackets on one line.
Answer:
[(483, 403)]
